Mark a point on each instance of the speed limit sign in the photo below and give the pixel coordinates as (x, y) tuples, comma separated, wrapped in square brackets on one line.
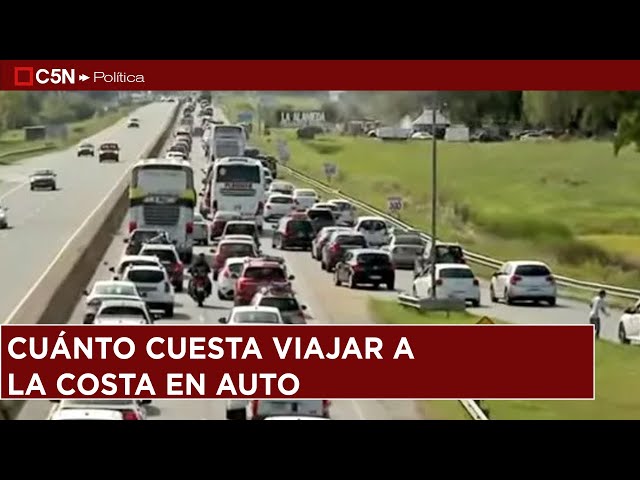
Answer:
[(394, 204)]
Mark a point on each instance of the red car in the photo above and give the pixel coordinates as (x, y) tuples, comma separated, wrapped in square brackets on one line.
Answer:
[(258, 273), (228, 249)]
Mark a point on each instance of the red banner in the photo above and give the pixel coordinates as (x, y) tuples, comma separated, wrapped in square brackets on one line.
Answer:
[(311, 361), (320, 75)]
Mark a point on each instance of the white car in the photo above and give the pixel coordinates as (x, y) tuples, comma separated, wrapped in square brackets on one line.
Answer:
[(228, 276), (260, 409), (170, 260), (421, 136), (200, 230), (173, 155), (104, 290), (129, 409), (253, 315), (453, 280), (524, 280), (133, 122), (154, 286), (4, 223), (305, 198), (374, 230), (278, 186), (88, 414), (130, 260), (629, 325), (347, 213), (136, 309), (278, 205)]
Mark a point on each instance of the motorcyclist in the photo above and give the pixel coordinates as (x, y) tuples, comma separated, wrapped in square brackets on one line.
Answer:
[(201, 268)]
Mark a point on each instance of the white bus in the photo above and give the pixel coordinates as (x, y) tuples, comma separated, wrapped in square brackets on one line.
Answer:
[(237, 185), (162, 196), (227, 141)]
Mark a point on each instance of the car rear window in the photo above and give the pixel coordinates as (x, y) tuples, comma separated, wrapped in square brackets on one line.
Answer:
[(532, 271), (351, 240), (456, 273), (408, 240), (236, 268), (373, 225), (109, 146), (265, 274), (115, 290), (124, 311), (255, 317), (240, 229), (163, 255), (282, 304), (146, 276), (317, 214), (299, 226), (283, 200), (305, 193), (145, 235), (236, 250), (373, 258)]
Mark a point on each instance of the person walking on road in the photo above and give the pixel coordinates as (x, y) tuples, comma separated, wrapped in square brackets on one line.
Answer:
[(598, 309)]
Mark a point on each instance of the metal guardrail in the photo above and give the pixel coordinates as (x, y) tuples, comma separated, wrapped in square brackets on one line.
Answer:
[(480, 259), (473, 409), (41, 148)]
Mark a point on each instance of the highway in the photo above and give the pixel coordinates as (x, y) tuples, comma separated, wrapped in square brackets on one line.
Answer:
[(327, 304), (41, 222)]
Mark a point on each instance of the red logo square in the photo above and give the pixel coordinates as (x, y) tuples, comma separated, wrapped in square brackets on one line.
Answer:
[(23, 76)]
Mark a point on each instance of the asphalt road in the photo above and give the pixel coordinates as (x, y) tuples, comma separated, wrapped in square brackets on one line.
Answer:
[(41, 222), (325, 303)]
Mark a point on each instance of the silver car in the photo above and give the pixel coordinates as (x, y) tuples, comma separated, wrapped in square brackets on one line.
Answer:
[(43, 179), (404, 249), (200, 230)]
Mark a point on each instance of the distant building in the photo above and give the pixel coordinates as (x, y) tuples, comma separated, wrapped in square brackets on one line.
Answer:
[(424, 121)]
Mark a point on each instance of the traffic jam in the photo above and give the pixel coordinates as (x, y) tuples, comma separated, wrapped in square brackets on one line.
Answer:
[(208, 242)]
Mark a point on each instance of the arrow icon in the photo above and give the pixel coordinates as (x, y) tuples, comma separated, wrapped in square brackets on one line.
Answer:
[(84, 77)]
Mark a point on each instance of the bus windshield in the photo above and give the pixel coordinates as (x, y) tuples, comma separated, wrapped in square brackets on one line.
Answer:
[(163, 178), (238, 174), (228, 131)]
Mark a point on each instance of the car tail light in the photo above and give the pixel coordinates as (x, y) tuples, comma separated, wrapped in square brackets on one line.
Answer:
[(241, 284), (439, 281), (358, 268), (167, 287), (260, 208), (132, 226), (515, 279), (550, 279), (189, 228), (334, 248), (476, 282), (131, 415)]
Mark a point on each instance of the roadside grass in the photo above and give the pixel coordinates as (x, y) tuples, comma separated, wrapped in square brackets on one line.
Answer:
[(507, 200), (617, 378), (234, 104), (13, 140)]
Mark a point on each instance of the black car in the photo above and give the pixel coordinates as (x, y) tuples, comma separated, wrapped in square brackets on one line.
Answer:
[(109, 151), (320, 218), (139, 237), (293, 232), (365, 266)]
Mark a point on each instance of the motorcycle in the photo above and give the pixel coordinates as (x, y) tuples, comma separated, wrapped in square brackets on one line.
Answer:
[(198, 289)]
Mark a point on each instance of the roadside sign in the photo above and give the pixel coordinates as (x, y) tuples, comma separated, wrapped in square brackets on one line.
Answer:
[(485, 321), (330, 170), (283, 151), (394, 204)]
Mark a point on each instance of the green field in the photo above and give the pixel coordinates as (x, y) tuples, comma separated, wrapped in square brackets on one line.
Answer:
[(617, 375), (234, 104), (13, 140), (572, 204)]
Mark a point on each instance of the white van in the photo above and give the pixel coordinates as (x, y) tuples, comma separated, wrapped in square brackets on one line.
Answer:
[(374, 230)]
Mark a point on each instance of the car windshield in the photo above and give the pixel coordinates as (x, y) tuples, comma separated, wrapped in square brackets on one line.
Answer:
[(282, 304), (456, 273), (299, 226), (373, 225), (264, 274), (236, 249), (373, 258), (43, 172), (115, 290), (320, 214), (141, 236), (351, 240), (532, 271), (123, 311), (255, 317), (109, 146), (240, 229), (283, 200), (145, 276), (163, 255)]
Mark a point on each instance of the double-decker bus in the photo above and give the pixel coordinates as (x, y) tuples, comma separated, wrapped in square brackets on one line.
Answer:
[(227, 141), (237, 185), (162, 196)]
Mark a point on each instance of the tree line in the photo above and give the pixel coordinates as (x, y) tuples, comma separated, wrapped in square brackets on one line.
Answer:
[(19, 109), (577, 112)]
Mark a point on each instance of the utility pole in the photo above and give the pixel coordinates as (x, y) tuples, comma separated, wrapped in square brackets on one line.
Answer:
[(434, 196)]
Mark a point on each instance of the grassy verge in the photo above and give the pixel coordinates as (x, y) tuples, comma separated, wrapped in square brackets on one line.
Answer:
[(617, 373), (13, 140), (234, 104), (550, 201)]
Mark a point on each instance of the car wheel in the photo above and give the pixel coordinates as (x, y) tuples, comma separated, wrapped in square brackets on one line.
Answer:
[(391, 286), (178, 286), (352, 283), (507, 299), (336, 280), (323, 266), (492, 294), (552, 302), (622, 335), (168, 312), (475, 303), (221, 295)]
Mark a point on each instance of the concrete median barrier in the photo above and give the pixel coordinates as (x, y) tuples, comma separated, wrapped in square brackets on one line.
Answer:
[(53, 297)]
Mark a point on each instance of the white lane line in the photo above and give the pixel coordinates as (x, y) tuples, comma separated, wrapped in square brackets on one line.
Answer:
[(14, 189), (71, 239)]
